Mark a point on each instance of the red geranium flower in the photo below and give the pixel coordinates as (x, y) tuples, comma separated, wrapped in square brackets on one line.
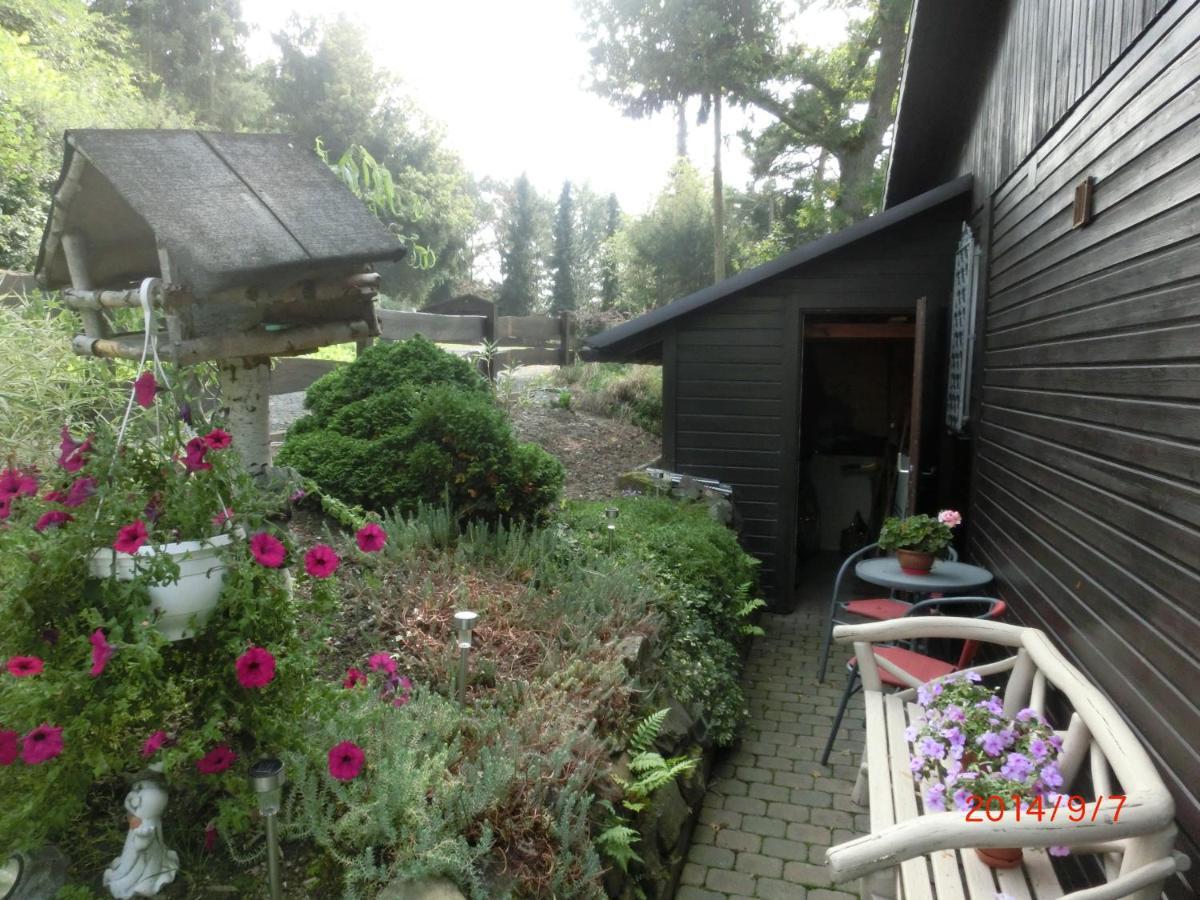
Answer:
[(43, 743), (52, 519), (144, 389), (268, 551), (131, 537), (24, 666), (10, 747), (153, 743), (218, 439), (321, 561), (102, 652), (346, 761), (381, 662), (216, 760), (255, 668), (79, 492), (194, 451), (371, 538), (354, 677)]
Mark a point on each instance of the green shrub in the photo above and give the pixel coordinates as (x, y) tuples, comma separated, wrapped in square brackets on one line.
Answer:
[(409, 424), (630, 393)]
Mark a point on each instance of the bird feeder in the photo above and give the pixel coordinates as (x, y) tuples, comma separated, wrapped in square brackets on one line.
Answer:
[(254, 248)]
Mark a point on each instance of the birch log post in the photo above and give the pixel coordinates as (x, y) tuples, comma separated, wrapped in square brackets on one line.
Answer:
[(246, 393)]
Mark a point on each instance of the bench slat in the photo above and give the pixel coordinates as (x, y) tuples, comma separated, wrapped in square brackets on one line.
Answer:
[(1012, 882), (914, 873), (978, 878), (1041, 874), (879, 778), (947, 880)]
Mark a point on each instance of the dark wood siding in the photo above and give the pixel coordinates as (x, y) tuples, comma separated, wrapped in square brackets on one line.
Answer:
[(1087, 468)]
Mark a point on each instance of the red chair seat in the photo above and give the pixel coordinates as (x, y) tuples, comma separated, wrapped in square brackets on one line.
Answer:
[(880, 610), (921, 667)]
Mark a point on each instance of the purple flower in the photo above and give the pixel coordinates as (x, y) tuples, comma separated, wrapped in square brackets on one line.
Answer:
[(1051, 776), (1056, 742), (954, 713), (915, 764), (1010, 736), (936, 688), (923, 695), (910, 733), (992, 705), (935, 796), (953, 769), (973, 677), (1017, 767), (1029, 714), (1039, 748), (962, 799), (930, 747), (1060, 851), (991, 743), (954, 735)]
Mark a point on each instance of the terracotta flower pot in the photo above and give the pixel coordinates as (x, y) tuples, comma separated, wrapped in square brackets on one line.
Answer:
[(999, 857), (913, 562)]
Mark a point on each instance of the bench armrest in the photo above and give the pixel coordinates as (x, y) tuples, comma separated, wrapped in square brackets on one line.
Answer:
[(932, 627)]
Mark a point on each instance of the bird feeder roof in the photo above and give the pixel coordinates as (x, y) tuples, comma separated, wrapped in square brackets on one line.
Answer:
[(229, 210)]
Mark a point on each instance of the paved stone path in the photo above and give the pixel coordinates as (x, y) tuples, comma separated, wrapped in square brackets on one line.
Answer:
[(771, 809)]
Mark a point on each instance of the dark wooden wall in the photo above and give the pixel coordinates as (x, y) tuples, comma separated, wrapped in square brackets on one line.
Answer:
[(1087, 466), (732, 371)]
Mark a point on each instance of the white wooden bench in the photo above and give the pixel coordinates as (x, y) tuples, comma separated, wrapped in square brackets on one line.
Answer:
[(916, 854)]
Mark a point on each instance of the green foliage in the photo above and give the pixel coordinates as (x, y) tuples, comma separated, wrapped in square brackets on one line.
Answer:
[(520, 257), (563, 260), (610, 279), (922, 533), (409, 424), (631, 393)]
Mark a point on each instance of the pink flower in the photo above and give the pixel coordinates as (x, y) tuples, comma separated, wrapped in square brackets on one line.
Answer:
[(43, 743), (144, 389), (371, 538), (194, 451), (153, 743), (321, 561), (71, 452), (54, 497), (79, 492), (102, 652), (226, 515), (210, 837), (131, 537), (354, 677), (346, 761), (950, 517), (403, 692), (10, 747), (216, 760), (15, 484), (52, 519), (255, 668), (218, 439), (24, 666), (1059, 851), (268, 551), (5, 507), (382, 662)]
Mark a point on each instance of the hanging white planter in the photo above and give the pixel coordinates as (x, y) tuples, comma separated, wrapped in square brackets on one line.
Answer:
[(184, 605)]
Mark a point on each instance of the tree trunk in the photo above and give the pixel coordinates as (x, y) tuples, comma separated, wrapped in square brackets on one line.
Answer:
[(856, 160), (681, 129), (718, 196)]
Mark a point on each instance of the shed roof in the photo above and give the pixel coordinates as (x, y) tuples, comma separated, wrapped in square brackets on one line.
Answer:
[(229, 209), (636, 333)]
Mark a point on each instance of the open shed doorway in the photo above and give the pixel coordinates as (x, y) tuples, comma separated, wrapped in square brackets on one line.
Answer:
[(856, 405)]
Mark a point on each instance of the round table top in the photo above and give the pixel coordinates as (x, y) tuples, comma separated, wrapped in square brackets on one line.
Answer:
[(944, 578)]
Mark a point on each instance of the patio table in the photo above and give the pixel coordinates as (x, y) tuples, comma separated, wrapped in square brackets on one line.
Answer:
[(944, 578)]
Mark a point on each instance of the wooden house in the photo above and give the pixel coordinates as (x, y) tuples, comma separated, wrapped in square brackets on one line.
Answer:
[(1062, 393)]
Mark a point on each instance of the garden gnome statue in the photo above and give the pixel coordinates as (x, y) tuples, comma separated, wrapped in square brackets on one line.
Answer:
[(145, 866)]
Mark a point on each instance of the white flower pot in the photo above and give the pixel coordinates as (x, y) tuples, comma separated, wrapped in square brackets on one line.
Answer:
[(184, 605)]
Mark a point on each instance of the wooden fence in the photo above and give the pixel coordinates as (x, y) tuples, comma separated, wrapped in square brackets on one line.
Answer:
[(519, 341)]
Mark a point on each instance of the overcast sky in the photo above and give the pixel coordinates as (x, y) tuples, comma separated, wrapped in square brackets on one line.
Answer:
[(508, 79)]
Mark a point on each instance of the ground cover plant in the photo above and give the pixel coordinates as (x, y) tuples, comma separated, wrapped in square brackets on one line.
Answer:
[(406, 424), (631, 393)]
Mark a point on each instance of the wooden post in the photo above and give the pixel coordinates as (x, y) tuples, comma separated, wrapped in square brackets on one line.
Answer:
[(564, 325), (246, 394), (75, 250)]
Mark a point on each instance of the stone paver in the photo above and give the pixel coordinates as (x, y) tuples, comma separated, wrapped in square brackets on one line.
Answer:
[(771, 809)]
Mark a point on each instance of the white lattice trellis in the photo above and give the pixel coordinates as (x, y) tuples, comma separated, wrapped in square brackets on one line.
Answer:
[(962, 331)]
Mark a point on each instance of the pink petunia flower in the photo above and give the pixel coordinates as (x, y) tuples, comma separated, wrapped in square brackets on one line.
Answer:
[(255, 668), (55, 497), (381, 662), (210, 837), (225, 515), (354, 677), (52, 519), (79, 492), (371, 538), (950, 517), (131, 537), (144, 389), (14, 483), (403, 692), (194, 451), (71, 453), (153, 744), (216, 760), (24, 666), (102, 652), (5, 507), (218, 439), (10, 747), (268, 551), (321, 561), (346, 761), (43, 743)]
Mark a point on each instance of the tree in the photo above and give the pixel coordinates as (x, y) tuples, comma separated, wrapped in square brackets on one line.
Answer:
[(195, 49), (610, 286), (563, 260), (520, 260), (649, 55)]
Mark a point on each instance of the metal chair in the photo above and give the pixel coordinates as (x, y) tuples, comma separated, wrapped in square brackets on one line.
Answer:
[(880, 609), (918, 665)]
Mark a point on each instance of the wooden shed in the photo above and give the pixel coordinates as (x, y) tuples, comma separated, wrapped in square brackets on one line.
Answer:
[(243, 246), (800, 381)]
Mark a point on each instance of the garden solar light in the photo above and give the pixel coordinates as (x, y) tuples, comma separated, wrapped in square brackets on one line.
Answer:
[(611, 513), (466, 622), (266, 778)]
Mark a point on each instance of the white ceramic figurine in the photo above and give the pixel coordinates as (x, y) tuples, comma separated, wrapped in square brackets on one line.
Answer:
[(145, 865)]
